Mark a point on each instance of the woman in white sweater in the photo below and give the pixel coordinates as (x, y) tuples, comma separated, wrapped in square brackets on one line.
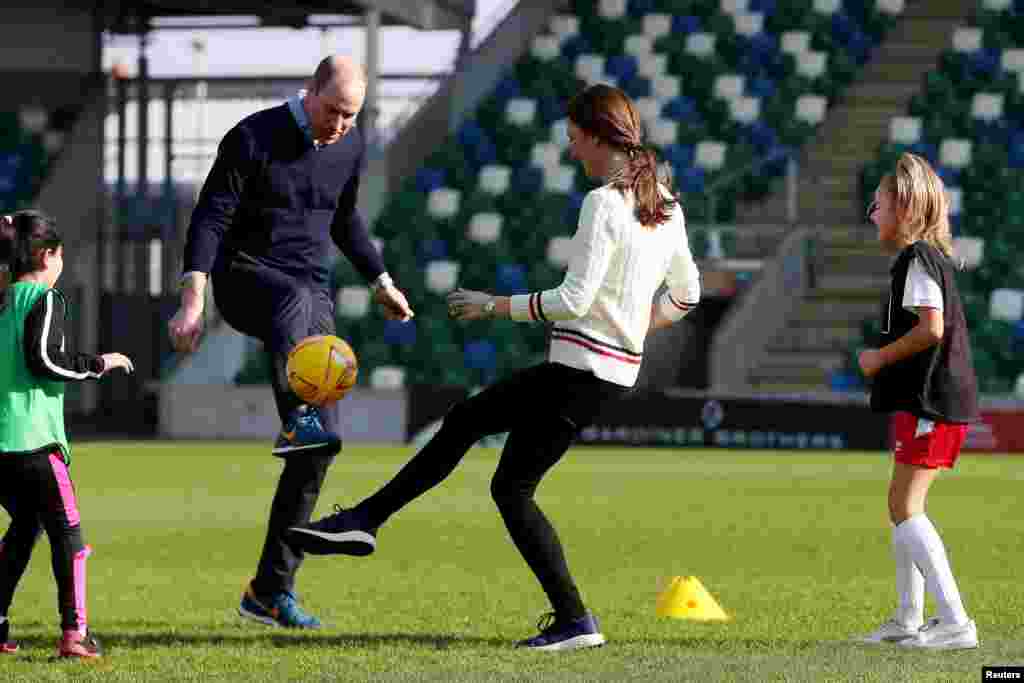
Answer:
[(631, 239)]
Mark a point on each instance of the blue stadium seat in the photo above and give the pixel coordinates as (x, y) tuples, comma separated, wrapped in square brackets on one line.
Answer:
[(400, 333), (511, 279)]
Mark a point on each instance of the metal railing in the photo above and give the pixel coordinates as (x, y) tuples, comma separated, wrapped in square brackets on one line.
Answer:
[(732, 178)]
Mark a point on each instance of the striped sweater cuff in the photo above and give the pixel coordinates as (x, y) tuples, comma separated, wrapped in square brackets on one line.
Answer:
[(673, 308), (527, 308)]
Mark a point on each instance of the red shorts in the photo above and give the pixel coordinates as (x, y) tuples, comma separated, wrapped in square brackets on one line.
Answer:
[(938, 446)]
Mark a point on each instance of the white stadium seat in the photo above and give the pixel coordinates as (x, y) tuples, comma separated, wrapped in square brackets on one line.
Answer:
[(545, 48), (649, 109), (827, 7), (812, 64), (442, 276), (728, 86), (638, 45), (795, 42), (559, 250), (564, 26), (733, 6), (657, 25), (485, 228), (987, 106), (967, 39), (521, 111), (811, 109), (560, 133), (905, 130), (663, 132), (494, 179), (969, 250), (955, 153), (997, 5), (546, 154), (748, 23), (560, 178), (353, 301), (612, 9), (443, 202), (745, 109), (666, 87), (1012, 61), (710, 155), (33, 119), (387, 377), (652, 65), (590, 68), (1006, 304), (891, 7), (700, 44)]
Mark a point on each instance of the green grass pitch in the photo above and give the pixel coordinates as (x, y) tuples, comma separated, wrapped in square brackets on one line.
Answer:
[(795, 546)]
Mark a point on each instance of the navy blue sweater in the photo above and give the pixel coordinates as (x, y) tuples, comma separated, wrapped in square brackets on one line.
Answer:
[(274, 196)]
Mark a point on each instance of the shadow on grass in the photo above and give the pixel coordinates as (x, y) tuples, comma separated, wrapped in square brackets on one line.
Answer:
[(276, 639)]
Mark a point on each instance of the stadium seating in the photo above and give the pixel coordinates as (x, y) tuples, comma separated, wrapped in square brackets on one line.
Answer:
[(29, 141), (719, 84), (968, 121)]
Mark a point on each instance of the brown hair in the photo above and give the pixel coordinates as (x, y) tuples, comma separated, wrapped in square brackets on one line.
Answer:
[(607, 113), (921, 197)]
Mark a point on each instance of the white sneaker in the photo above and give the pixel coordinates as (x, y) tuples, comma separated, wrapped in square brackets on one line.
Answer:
[(937, 635), (892, 631)]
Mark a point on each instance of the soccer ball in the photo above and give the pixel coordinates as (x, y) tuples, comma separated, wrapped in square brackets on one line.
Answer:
[(322, 369)]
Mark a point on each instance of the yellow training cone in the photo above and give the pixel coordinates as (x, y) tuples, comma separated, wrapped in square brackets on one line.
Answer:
[(686, 598)]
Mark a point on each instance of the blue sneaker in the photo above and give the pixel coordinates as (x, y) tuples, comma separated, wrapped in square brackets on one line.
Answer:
[(343, 532), (572, 635), (304, 431), (280, 609)]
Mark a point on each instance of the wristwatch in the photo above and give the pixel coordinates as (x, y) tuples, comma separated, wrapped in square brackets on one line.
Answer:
[(489, 308)]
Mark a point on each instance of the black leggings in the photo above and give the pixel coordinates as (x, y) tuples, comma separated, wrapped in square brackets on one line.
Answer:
[(543, 408), (37, 493)]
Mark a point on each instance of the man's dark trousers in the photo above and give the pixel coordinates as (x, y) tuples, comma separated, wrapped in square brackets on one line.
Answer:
[(280, 310)]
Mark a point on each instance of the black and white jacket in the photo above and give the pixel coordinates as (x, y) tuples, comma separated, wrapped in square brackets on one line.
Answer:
[(45, 348)]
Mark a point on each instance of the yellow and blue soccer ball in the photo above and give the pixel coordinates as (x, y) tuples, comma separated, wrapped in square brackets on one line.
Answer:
[(322, 369)]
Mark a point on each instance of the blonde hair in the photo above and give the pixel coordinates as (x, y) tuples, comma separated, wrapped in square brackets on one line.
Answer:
[(920, 196)]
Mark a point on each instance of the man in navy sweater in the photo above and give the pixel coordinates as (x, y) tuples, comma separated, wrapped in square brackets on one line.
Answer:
[(283, 186)]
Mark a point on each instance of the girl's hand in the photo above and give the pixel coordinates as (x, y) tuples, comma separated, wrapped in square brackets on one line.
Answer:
[(870, 361), (117, 360)]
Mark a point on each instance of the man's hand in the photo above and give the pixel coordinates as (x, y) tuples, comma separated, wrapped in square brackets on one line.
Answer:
[(394, 303), (870, 361), (186, 327)]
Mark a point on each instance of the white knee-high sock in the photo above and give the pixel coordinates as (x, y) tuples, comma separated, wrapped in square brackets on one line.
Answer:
[(929, 554), (909, 583)]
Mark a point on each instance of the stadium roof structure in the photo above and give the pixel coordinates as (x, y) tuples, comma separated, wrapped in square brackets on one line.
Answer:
[(136, 16)]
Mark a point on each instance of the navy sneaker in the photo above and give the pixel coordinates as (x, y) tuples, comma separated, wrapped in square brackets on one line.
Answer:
[(304, 431), (341, 533), (569, 635), (280, 609)]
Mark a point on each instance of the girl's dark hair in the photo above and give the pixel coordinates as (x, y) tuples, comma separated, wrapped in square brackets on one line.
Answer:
[(608, 114), (24, 235)]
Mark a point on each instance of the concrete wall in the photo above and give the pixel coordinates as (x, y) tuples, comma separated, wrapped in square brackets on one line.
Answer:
[(209, 411)]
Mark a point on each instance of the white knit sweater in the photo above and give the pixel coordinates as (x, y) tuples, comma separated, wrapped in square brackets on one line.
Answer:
[(602, 310)]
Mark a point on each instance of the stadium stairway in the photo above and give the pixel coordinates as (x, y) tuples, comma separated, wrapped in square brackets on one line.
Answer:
[(850, 273)]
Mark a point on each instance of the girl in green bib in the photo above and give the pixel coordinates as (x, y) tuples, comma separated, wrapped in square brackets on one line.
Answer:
[(35, 487)]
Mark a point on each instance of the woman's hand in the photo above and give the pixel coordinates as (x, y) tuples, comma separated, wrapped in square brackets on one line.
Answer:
[(465, 304), (117, 360)]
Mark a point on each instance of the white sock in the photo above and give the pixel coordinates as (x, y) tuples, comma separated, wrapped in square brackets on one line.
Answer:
[(929, 554), (3, 619), (909, 583)]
